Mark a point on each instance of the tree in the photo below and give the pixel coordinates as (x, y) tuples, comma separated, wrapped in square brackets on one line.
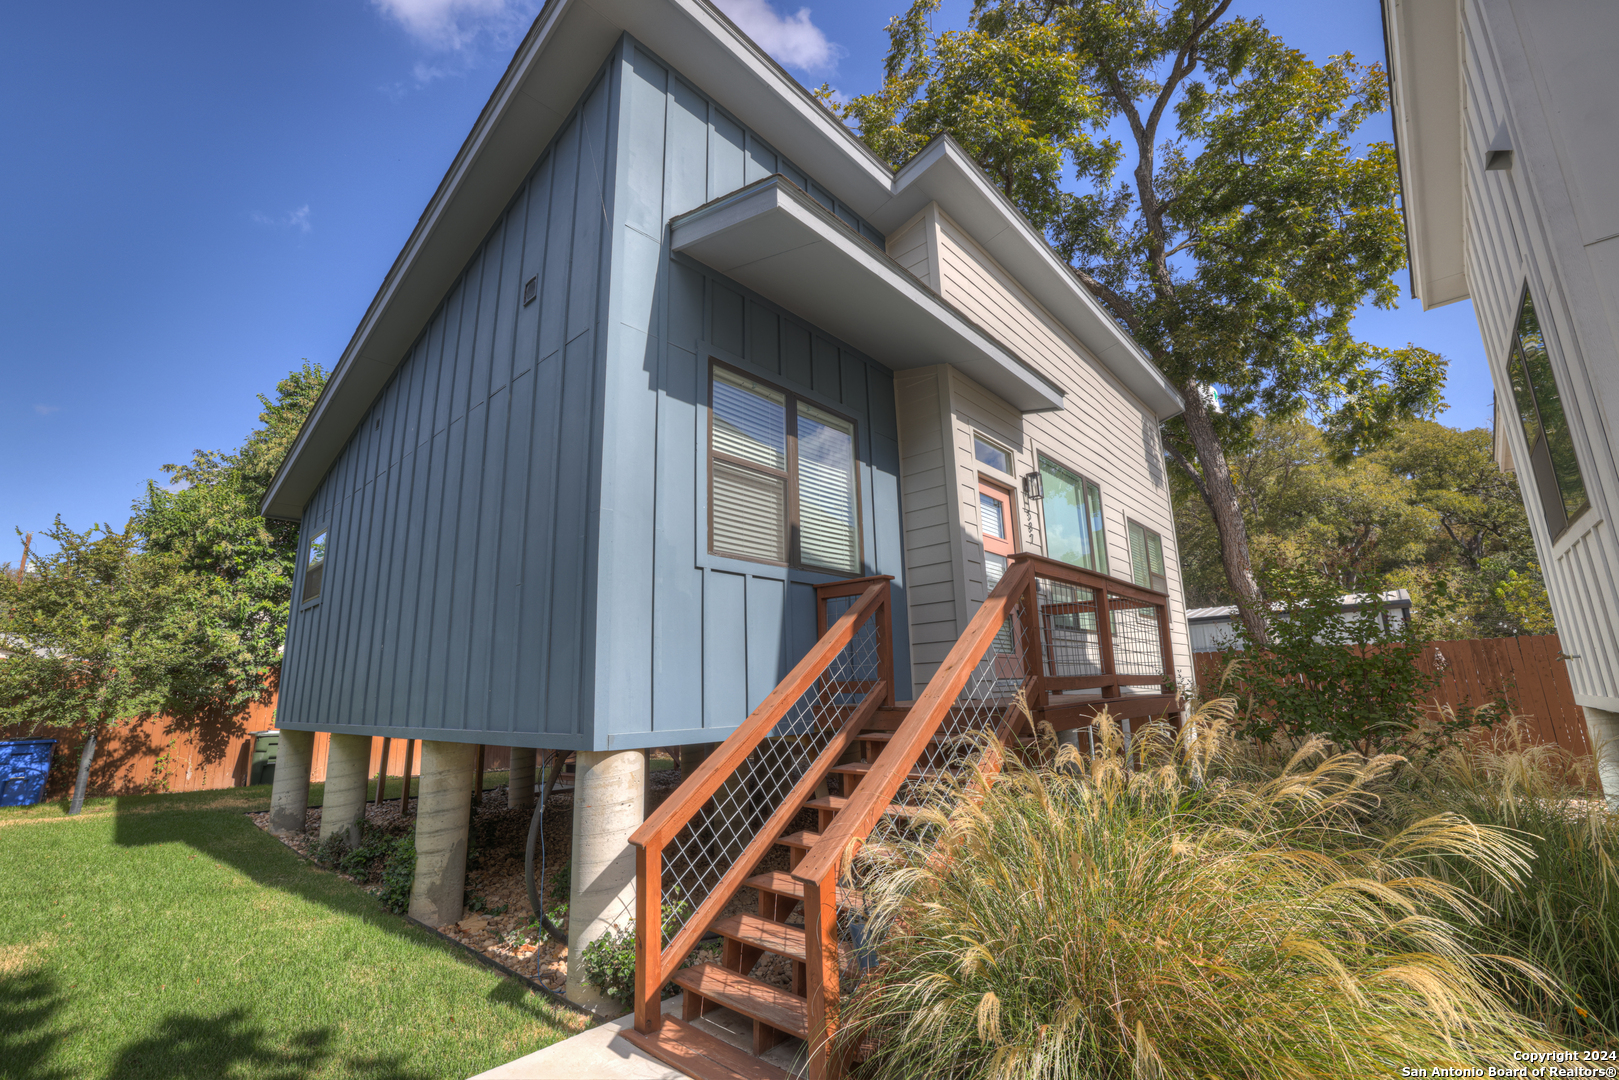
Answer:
[(99, 633), (1430, 512), (211, 526), (1249, 232), (182, 614)]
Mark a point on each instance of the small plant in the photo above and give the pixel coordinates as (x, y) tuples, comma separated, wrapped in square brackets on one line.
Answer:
[(609, 961), (398, 871), (481, 905)]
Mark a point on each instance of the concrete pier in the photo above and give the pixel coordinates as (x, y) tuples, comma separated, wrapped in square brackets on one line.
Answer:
[(443, 812), (520, 781), (1602, 727), (289, 795), (348, 764), (609, 794)]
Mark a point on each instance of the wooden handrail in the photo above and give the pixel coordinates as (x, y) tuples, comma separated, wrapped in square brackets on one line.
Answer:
[(1078, 575), (700, 786), (856, 819)]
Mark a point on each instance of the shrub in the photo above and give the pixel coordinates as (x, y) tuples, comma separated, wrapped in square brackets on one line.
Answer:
[(1103, 920), (1565, 914), (378, 852), (609, 961)]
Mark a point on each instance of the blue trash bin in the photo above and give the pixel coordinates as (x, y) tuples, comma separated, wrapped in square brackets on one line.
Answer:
[(25, 765)]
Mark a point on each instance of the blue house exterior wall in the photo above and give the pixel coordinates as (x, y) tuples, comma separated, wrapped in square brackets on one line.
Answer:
[(515, 553)]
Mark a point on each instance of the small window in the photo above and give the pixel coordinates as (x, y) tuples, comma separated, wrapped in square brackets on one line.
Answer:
[(1072, 508), (996, 530), (1147, 558), (782, 481), (1545, 428), (989, 454), (314, 567)]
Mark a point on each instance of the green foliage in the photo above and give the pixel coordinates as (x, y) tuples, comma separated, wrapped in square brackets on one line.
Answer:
[(392, 858), (1429, 512), (1565, 916), (609, 961), (1350, 678), (99, 633), (208, 521), (1161, 910)]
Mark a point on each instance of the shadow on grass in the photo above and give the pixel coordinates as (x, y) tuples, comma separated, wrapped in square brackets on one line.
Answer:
[(28, 1001), (188, 1045)]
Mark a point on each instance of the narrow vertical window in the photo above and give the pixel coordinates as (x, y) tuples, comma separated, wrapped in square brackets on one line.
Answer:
[(783, 485), (1552, 459), (1072, 508), (995, 527), (1147, 558), (314, 567)]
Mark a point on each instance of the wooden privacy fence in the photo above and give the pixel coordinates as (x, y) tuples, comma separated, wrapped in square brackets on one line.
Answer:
[(159, 755), (1523, 671)]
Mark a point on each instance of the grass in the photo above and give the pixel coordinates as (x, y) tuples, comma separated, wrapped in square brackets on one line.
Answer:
[(167, 936), (1161, 911)]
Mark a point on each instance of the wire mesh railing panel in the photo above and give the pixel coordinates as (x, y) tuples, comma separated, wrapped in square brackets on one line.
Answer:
[(709, 844), (1069, 644), (939, 773), (1137, 637)]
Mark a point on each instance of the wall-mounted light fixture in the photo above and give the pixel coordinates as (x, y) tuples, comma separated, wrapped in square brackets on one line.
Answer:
[(1032, 487)]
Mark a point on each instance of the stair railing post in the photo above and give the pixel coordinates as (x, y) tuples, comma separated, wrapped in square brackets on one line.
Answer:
[(648, 937), (1034, 649), (1104, 638), (885, 641), (821, 985)]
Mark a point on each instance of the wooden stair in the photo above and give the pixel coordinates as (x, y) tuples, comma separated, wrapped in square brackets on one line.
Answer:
[(775, 1012)]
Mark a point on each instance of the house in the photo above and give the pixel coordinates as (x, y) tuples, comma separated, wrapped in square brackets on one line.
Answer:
[(1509, 167), (1212, 628), (677, 403)]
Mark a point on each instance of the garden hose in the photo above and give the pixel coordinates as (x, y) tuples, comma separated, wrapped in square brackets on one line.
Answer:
[(536, 829)]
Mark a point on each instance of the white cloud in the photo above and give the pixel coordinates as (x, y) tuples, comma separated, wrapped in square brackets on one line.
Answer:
[(293, 219), (46, 410), (793, 40), (452, 25)]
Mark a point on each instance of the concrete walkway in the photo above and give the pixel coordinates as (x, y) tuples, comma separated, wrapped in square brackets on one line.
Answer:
[(597, 1054)]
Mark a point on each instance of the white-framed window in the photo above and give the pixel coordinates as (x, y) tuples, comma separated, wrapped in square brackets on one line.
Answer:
[(783, 487), (1147, 557), (314, 567), (1072, 508)]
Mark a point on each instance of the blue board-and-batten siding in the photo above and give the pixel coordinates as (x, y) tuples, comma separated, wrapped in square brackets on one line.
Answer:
[(722, 632), (513, 548), (459, 512)]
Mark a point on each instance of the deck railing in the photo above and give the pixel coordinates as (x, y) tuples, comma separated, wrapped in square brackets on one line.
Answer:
[(1046, 629), (695, 850)]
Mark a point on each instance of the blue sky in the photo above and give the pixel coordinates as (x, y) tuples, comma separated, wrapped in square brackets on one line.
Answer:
[(201, 195)]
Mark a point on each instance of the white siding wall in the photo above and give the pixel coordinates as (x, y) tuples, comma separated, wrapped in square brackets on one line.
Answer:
[(1543, 73), (1103, 432)]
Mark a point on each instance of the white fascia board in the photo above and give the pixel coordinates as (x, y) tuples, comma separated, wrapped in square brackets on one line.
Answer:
[(1422, 38), (777, 241), (944, 173)]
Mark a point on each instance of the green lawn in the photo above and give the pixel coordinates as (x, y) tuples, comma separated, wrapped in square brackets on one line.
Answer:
[(167, 936)]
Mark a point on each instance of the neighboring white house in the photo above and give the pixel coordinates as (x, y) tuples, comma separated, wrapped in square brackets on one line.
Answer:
[(1212, 628), (1504, 117)]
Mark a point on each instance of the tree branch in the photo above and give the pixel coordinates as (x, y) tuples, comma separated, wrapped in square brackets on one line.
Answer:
[(1186, 467), (1121, 308)]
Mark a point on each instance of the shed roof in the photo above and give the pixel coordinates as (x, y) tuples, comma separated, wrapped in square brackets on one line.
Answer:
[(1393, 598), (551, 68)]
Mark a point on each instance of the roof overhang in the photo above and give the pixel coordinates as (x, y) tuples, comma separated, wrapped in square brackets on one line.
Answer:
[(773, 238), (1423, 42), (548, 74)]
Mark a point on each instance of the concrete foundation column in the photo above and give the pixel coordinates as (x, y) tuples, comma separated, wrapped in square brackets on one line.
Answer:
[(608, 803), (289, 795), (520, 780), (443, 811), (348, 764), (1602, 727)]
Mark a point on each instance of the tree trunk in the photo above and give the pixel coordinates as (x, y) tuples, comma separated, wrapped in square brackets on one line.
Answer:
[(1221, 495), (83, 780)]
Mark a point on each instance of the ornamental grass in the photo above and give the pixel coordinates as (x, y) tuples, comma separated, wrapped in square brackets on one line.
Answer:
[(1564, 915), (1160, 910)]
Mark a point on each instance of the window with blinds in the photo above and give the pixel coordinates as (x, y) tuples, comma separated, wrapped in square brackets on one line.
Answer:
[(782, 478), (1147, 558), (1552, 460), (1072, 508)]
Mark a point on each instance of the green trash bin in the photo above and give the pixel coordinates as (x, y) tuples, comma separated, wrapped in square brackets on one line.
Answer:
[(262, 771)]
